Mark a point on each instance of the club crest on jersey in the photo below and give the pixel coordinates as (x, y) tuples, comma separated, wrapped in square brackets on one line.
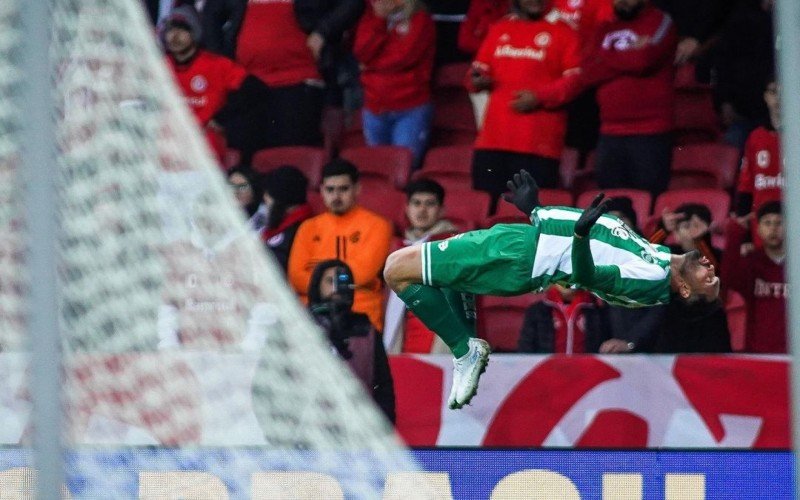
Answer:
[(647, 257), (620, 40), (762, 158), (443, 245), (198, 83), (543, 39), (620, 232), (575, 4)]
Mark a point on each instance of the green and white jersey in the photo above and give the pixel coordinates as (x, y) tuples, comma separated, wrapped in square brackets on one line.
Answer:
[(629, 270)]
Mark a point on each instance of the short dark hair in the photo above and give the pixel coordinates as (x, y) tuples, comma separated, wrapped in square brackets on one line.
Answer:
[(698, 209), (770, 207), (423, 185), (339, 166)]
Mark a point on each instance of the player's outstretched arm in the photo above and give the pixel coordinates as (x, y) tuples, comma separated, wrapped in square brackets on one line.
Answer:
[(523, 192), (582, 261)]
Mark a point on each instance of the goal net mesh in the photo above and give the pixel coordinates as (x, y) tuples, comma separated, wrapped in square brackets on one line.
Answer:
[(180, 338)]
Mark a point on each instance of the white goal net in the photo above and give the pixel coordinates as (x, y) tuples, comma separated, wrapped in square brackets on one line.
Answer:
[(190, 370)]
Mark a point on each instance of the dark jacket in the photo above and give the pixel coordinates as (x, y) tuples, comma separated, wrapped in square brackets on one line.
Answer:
[(221, 22), (745, 59), (640, 325), (700, 328), (538, 329)]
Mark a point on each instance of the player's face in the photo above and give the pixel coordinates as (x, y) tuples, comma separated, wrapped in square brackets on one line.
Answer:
[(177, 39), (339, 193), (423, 211), (770, 230), (700, 276)]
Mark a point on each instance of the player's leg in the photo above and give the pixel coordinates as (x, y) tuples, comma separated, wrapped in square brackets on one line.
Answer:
[(442, 310), (449, 314)]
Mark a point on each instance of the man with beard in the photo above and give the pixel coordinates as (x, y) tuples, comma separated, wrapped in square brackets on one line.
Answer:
[(562, 245), (348, 232), (631, 64)]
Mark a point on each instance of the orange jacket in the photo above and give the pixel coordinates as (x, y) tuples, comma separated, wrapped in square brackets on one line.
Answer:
[(361, 239)]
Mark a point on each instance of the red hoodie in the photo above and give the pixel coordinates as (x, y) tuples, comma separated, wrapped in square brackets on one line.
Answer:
[(762, 283), (396, 60), (632, 65), (540, 56), (761, 173), (272, 46)]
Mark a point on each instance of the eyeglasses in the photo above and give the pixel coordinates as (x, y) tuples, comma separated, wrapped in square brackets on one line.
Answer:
[(239, 186)]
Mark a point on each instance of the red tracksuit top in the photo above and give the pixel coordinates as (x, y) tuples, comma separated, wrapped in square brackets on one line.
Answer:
[(396, 60), (541, 56), (761, 172), (635, 85), (272, 46), (762, 284), (206, 81)]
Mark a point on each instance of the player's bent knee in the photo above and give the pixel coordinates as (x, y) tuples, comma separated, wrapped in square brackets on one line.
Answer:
[(402, 268)]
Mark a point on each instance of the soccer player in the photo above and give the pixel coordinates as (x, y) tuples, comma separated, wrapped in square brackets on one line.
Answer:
[(581, 249)]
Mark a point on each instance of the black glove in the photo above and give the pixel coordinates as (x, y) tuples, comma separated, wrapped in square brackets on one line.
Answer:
[(524, 192), (589, 216)]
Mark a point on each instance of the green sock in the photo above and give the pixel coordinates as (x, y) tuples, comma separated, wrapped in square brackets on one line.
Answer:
[(463, 306), (431, 306)]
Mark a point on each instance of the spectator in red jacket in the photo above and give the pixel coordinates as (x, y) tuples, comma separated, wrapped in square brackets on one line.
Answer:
[(271, 45), (529, 65), (632, 67), (761, 175), (205, 79), (394, 45), (759, 277)]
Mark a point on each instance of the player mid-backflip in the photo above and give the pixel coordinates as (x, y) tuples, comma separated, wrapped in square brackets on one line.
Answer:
[(578, 248)]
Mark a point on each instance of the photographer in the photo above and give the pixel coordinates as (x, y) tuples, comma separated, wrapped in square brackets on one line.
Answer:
[(330, 295)]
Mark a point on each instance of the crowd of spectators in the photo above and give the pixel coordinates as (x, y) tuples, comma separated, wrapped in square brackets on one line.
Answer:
[(602, 78)]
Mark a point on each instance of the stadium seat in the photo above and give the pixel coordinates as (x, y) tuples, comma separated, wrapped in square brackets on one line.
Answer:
[(641, 200), (450, 166), (353, 132), (500, 319), (453, 118), (466, 209), (737, 319), (695, 117), (711, 164), (450, 76), (307, 159), (390, 163), (385, 200), (314, 199)]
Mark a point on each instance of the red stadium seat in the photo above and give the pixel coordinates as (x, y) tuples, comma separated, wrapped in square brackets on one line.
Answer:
[(314, 199), (500, 319), (453, 118), (704, 165), (466, 209), (737, 319), (450, 166), (451, 75), (695, 117), (384, 200), (307, 159), (390, 163), (641, 200), (353, 132), (555, 198)]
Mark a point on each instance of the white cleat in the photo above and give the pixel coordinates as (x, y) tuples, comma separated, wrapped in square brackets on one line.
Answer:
[(467, 371)]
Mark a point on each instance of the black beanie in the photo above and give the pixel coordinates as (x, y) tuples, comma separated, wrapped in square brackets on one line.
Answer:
[(286, 185)]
